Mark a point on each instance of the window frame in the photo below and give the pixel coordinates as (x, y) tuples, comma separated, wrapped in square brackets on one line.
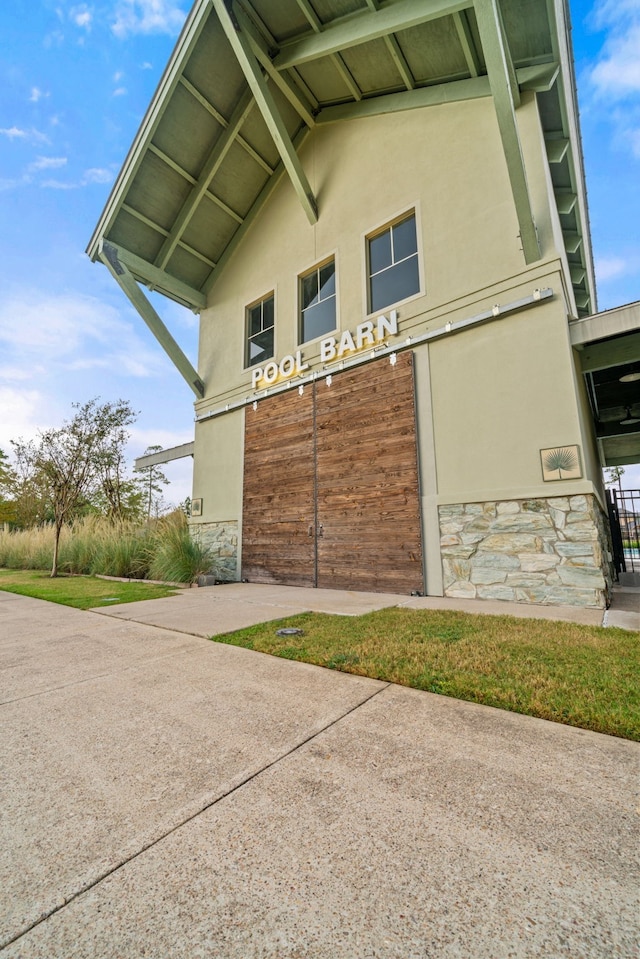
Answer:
[(260, 301), (315, 268), (384, 227)]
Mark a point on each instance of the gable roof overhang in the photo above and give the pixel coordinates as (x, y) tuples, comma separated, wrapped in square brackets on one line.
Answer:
[(249, 78)]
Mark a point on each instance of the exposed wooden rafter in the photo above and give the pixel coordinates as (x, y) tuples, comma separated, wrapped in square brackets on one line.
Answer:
[(109, 254), (503, 84), (241, 47), (365, 26)]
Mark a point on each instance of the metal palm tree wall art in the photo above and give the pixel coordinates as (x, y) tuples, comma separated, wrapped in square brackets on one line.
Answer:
[(560, 463)]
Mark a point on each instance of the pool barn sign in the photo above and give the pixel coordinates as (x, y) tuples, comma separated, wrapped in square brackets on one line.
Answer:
[(366, 335)]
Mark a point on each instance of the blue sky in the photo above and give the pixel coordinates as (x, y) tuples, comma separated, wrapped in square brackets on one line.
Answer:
[(75, 80)]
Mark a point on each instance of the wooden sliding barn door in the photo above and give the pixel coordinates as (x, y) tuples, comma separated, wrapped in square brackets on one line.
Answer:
[(278, 515), (369, 530), (331, 495)]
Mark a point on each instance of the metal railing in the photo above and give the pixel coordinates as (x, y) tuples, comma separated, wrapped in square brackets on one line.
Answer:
[(624, 514)]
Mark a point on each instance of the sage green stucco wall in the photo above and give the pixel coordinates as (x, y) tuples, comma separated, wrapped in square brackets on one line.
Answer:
[(445, 161), (488, 398)]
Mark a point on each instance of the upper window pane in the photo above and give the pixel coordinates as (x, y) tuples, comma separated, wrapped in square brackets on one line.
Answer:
[(260, 332), (380, 252), (404, 239), (318, 302), (393, 264)]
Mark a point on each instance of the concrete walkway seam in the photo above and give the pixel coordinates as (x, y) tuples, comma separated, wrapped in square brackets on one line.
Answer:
[(229, 792)]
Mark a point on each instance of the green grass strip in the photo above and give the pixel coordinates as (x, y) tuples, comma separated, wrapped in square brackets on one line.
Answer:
[(82, 592), (567, 673)]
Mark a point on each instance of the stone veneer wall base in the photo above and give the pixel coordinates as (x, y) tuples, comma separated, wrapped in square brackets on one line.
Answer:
[(551, 551), (222, 539)]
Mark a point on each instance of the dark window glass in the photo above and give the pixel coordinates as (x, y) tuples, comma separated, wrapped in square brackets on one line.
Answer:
[(318, 302), (380, 252), (404, 239), (309, 289), (395, 284), (260, 330), (398, 277)]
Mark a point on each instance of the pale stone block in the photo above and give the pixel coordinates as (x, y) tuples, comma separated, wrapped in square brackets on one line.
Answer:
[(495, 561), (559, 518), (459, 552), (530, 580), (559, 502), (462, 590), (536, 562), (448, 576), (581, 576), (450, 539), (579, 503), (497, 592), (480, 524), (576, 549), (532, 594), (523, 523), (450, 511), (485, 576), (577, 517), (473, 509), (508, 507), (451, 526), (581, 533), (512, 543), (565, 596), (470, 539)]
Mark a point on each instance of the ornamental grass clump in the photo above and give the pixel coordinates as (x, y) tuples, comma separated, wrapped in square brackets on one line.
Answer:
[(161, 549), (176, 556)]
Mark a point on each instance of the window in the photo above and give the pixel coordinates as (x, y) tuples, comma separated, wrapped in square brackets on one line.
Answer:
[(318, 301), (260, 319), (393, 264)]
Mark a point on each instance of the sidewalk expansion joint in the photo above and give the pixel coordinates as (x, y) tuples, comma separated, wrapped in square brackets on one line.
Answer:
[(209, 805)]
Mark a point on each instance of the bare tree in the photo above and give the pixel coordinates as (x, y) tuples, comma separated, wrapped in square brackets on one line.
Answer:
[(152, 479), (69, 462)]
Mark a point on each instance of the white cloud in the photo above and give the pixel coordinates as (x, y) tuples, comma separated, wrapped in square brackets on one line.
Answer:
[(120, 91), (70, 332), (24, 412), (81, 16), (29, 136), (13, 133), (616, 74), (610, 268), (37, 94), (47, 163), (97, 175), (148, 16)]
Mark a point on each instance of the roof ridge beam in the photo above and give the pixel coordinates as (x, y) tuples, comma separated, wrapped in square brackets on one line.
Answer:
[(275, 124), (362, 27), (497, 59), (219, 151), (108, 253)]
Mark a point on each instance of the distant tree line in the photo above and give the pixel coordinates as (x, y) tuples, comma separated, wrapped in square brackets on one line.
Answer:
[(79, 469)]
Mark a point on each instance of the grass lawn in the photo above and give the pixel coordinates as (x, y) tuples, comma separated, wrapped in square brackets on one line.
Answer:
[(578, 675), (83, 592)]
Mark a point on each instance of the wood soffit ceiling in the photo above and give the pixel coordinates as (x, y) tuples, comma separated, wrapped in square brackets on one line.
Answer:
[(248, 80)]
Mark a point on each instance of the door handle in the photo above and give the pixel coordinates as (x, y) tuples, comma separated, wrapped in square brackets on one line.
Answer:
[(310, 530), (320, 530)]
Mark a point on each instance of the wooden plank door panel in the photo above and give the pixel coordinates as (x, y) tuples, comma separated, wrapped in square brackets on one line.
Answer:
[(367, 480), (278, 529)]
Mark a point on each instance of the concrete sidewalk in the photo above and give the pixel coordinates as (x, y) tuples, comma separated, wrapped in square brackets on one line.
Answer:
[(170, 797), (219, 609)]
